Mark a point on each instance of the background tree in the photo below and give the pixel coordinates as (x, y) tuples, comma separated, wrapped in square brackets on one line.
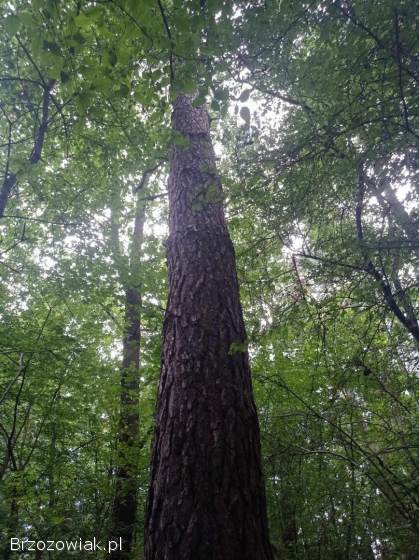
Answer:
[(313, 111)]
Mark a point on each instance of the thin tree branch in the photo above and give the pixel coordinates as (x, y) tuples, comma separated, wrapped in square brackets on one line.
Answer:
[(411, 326)]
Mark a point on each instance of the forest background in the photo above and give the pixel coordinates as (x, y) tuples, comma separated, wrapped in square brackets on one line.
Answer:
[(314, 112)]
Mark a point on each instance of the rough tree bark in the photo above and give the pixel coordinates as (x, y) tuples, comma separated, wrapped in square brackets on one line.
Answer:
[(206, 499)]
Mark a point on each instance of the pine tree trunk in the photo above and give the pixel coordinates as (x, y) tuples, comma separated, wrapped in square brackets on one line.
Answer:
[(207, 498)]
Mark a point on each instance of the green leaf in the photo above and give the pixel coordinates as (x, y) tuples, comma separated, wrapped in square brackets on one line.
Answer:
[(237, 346), (123, 56), (84, 100), (27, 19), (180, 140), (78, 38), (186, 86), (199, 101), (54, 64), (82, 21), (11, 25), (64, 77), (124, 90), (112, 57)]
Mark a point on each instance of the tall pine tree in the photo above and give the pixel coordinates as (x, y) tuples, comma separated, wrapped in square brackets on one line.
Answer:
[(207, 498)]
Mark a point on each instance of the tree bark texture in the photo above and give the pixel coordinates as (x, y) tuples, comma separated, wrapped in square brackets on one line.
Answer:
[(207, 497)]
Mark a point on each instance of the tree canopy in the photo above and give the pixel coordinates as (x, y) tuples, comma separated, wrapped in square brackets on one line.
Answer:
[(314, 113)]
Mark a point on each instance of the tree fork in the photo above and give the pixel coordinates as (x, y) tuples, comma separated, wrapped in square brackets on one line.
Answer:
[(206, 499)]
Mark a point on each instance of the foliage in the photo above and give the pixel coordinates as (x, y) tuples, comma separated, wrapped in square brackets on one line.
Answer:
[(315, 112)]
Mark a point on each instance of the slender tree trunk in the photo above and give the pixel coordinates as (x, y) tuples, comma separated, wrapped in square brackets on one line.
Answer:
[(207, 497), (124, 508), (125, 500)]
